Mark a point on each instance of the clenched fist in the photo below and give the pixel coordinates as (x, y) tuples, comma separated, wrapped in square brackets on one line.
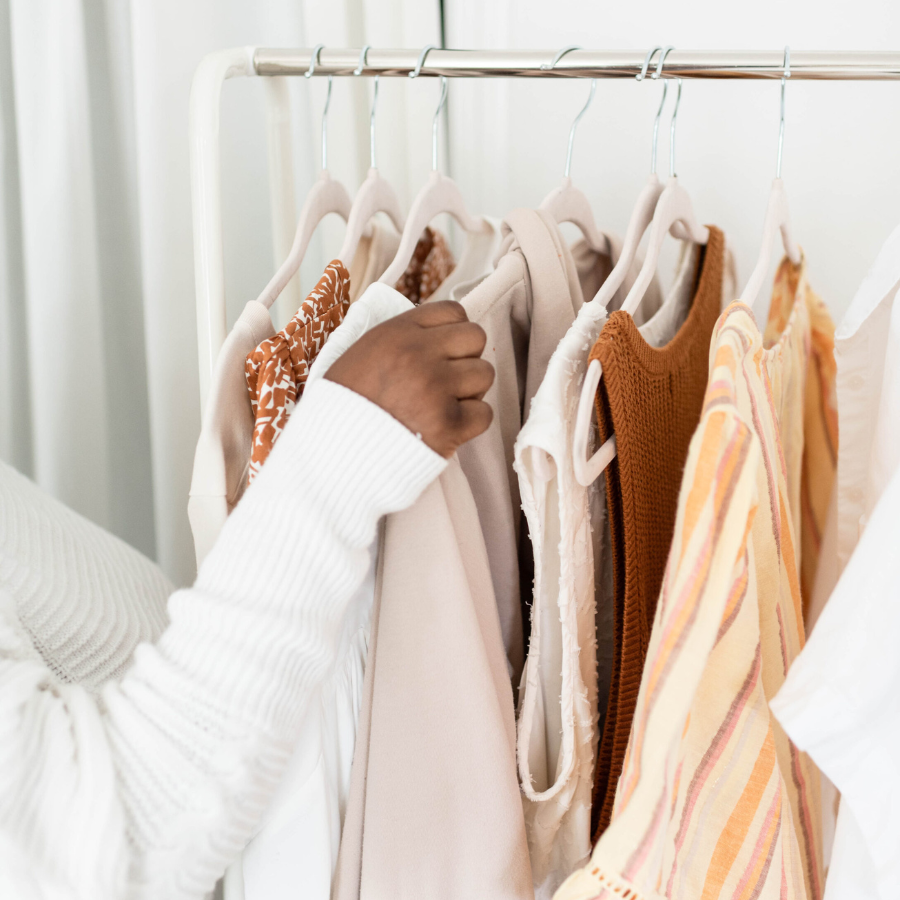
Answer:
[(424, 367)]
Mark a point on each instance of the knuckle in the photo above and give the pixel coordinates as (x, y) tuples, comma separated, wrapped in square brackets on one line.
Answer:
[(454, 310), (478, 336), (486, 372)]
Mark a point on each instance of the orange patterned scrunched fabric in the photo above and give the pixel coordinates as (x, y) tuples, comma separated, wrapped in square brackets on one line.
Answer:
[(431, 263), (278, 368)]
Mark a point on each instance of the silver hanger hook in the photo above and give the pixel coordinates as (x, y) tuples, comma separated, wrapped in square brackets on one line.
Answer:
[(672, 172), (552, 65), (358, 71), (314, 61), (663, 51), (434, 124), (308, 74), (441, 102), (784, 77), (647, 58), (421, 60), (659, 66), (546, 67)]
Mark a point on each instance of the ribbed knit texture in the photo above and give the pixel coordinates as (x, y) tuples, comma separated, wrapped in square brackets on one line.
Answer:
[(152, 789), (651, 399), (85, 597)]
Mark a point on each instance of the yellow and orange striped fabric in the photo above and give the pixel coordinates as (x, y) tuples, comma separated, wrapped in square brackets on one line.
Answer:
[(714, 801)]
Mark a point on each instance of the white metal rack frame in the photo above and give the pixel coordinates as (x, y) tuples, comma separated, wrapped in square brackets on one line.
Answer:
[(209, 264)]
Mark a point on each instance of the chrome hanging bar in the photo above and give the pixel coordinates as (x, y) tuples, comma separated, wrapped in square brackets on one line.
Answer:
[(846, 65)]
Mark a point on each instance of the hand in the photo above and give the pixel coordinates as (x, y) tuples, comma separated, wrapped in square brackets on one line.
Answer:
[(424, 367)]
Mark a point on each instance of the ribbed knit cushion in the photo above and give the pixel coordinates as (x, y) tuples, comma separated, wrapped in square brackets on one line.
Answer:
[(651, 399), (85, 597)]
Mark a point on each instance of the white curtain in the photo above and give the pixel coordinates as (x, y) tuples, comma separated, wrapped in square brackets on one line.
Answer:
[(98, 356)]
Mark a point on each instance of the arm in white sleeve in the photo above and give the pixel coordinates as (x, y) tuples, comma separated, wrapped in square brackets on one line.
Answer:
[(150, 791)]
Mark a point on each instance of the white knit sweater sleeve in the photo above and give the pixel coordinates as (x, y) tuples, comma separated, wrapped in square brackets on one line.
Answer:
[(152, 789)]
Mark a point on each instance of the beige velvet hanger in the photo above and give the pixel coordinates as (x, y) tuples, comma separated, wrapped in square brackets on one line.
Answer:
[(567, 203), (778, 216), (675, 217), (440, 194), (327, 196), (375, 195)]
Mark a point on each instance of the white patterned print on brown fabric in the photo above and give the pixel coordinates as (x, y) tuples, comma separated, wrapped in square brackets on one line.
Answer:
[(432, 261), (278, 368)]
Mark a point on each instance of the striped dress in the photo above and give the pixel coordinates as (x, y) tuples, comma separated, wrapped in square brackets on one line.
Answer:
[(714, 801)]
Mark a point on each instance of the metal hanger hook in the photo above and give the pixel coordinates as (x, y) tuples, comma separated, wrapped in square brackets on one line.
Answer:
[(784, 77), (546, 67), (314, 61), (358, 71), (575, 126), (647, 58), (434, 124), (672, 172), (672, 123), (663, 51), (552, 65), (308, 74), (441, 102), (421, 60)]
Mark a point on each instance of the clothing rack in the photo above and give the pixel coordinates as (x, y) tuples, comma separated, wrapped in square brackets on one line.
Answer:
[(274, 63), (810, 65)]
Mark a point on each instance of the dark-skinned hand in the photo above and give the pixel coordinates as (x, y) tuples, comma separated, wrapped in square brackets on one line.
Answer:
[(424, 367)]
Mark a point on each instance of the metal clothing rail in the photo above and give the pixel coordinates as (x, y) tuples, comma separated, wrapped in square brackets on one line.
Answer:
[(209, 263), (814, 66)]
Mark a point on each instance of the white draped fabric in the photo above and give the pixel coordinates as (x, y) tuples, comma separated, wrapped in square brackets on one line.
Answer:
[(98, 349)]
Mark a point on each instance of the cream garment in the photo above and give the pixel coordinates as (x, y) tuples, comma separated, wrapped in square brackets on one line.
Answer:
[(297, 841), (222, 457), (558, 701), (373, 255), (475, 262), (435, 809), (526, 305), (839, 700)]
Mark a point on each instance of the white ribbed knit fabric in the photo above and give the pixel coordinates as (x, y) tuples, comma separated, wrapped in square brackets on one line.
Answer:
[(149, 787), (86, 598)]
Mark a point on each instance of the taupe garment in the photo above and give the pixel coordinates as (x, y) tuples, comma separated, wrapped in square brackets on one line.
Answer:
[(434, 809), (526, 306)]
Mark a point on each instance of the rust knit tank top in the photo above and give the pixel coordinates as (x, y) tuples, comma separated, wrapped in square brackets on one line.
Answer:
[(651, 400)]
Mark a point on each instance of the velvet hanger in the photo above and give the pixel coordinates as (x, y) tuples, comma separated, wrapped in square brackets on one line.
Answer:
[(327, 196), (665, 210), (778, 216), (567, 203), (440, 194), (375, 195)]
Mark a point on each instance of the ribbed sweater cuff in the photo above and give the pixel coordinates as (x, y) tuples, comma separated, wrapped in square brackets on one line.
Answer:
[(339, 452), (262, 618)]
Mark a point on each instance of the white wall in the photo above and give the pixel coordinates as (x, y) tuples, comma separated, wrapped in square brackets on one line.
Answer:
[(98, 366), (841, 165)]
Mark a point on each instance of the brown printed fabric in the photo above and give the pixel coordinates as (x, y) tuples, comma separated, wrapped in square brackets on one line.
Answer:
[(432, 261), (277, 369)]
